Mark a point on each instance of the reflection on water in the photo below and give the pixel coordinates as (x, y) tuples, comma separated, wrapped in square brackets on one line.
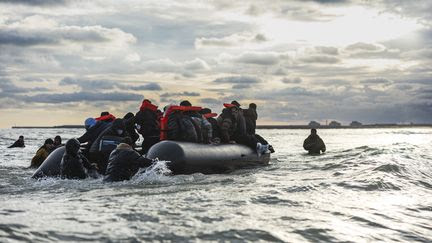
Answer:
[(371, 185)]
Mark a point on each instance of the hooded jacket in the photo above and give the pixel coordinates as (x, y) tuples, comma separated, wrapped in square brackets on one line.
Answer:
[(314, 144), (73, 162), (124, 162), (251, 117), (147, 120)]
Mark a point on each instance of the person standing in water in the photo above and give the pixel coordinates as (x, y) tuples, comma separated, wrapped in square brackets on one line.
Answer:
[(314, 144), (18, 143), (42, 153)]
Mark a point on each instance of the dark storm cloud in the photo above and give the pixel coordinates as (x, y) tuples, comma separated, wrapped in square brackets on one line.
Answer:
[(238, 80), (185, 93), (36, 2), (86, 84), (82, 97)]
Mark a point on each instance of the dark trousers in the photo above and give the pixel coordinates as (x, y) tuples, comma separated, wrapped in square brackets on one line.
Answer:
[(247, 139)]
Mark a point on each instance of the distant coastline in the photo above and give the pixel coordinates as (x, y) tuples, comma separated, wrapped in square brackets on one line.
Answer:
[(264, 126)]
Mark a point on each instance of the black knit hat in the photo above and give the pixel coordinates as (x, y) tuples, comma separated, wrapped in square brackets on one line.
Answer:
[(234, 102)]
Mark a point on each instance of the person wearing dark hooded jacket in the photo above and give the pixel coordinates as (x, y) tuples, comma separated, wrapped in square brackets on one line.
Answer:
[(129, 120), (42, 153), (18, 143), (99, 154), (124, 162), (93, 129), (231, 132), (313, 143), (251, 117), (147, 124), (73, 164)]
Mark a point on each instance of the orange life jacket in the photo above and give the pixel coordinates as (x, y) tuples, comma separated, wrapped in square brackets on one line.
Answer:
[(170, 110), (108, 118)]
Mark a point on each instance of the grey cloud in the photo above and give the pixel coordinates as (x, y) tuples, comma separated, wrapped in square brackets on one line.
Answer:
[(295, 80), (368, 47), (185, 93), (150, 86), (86, 84), (259, 58), (328, 50), (57, 35), (13, 37), (238, 80), (376, 81), (241, 86), (320, 59), (82, 97), (36, 2), (7, 87)]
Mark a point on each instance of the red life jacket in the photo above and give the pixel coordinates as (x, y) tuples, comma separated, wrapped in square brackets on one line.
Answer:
[(106, 118), (171, 109), (148, 106), (227, 105), (209, 115)]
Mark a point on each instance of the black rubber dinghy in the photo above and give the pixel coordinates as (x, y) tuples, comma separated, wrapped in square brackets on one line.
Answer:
[(51, 165), (188, 158)]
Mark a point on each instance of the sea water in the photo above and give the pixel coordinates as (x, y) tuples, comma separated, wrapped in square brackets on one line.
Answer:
[(370, 185)]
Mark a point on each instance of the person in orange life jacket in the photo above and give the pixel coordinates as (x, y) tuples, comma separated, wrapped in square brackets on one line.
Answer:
[(18, 143), (129, 120), (73, 164), (124, 162), (251, 117), (147, 124), (203, 128), (177, 125), (231, 132), (210, 117), (116, 129), (42, 153)]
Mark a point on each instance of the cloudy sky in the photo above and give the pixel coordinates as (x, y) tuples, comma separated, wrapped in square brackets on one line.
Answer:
[(62, 61)]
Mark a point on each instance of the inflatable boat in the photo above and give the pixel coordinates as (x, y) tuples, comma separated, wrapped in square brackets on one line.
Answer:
[(188, 158), (183, 157)]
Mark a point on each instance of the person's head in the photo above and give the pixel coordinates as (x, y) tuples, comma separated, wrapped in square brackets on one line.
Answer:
[(57, 140), (104, 113), (21, 138), (185, 103), (72, 146), (234, 102), (205, 111), (89, 123), (128, 115), (118, 126), (252, 106), (313, 131), (49, 143)]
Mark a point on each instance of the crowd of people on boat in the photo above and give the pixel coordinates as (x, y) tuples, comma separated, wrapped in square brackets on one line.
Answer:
[(110, 142)]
